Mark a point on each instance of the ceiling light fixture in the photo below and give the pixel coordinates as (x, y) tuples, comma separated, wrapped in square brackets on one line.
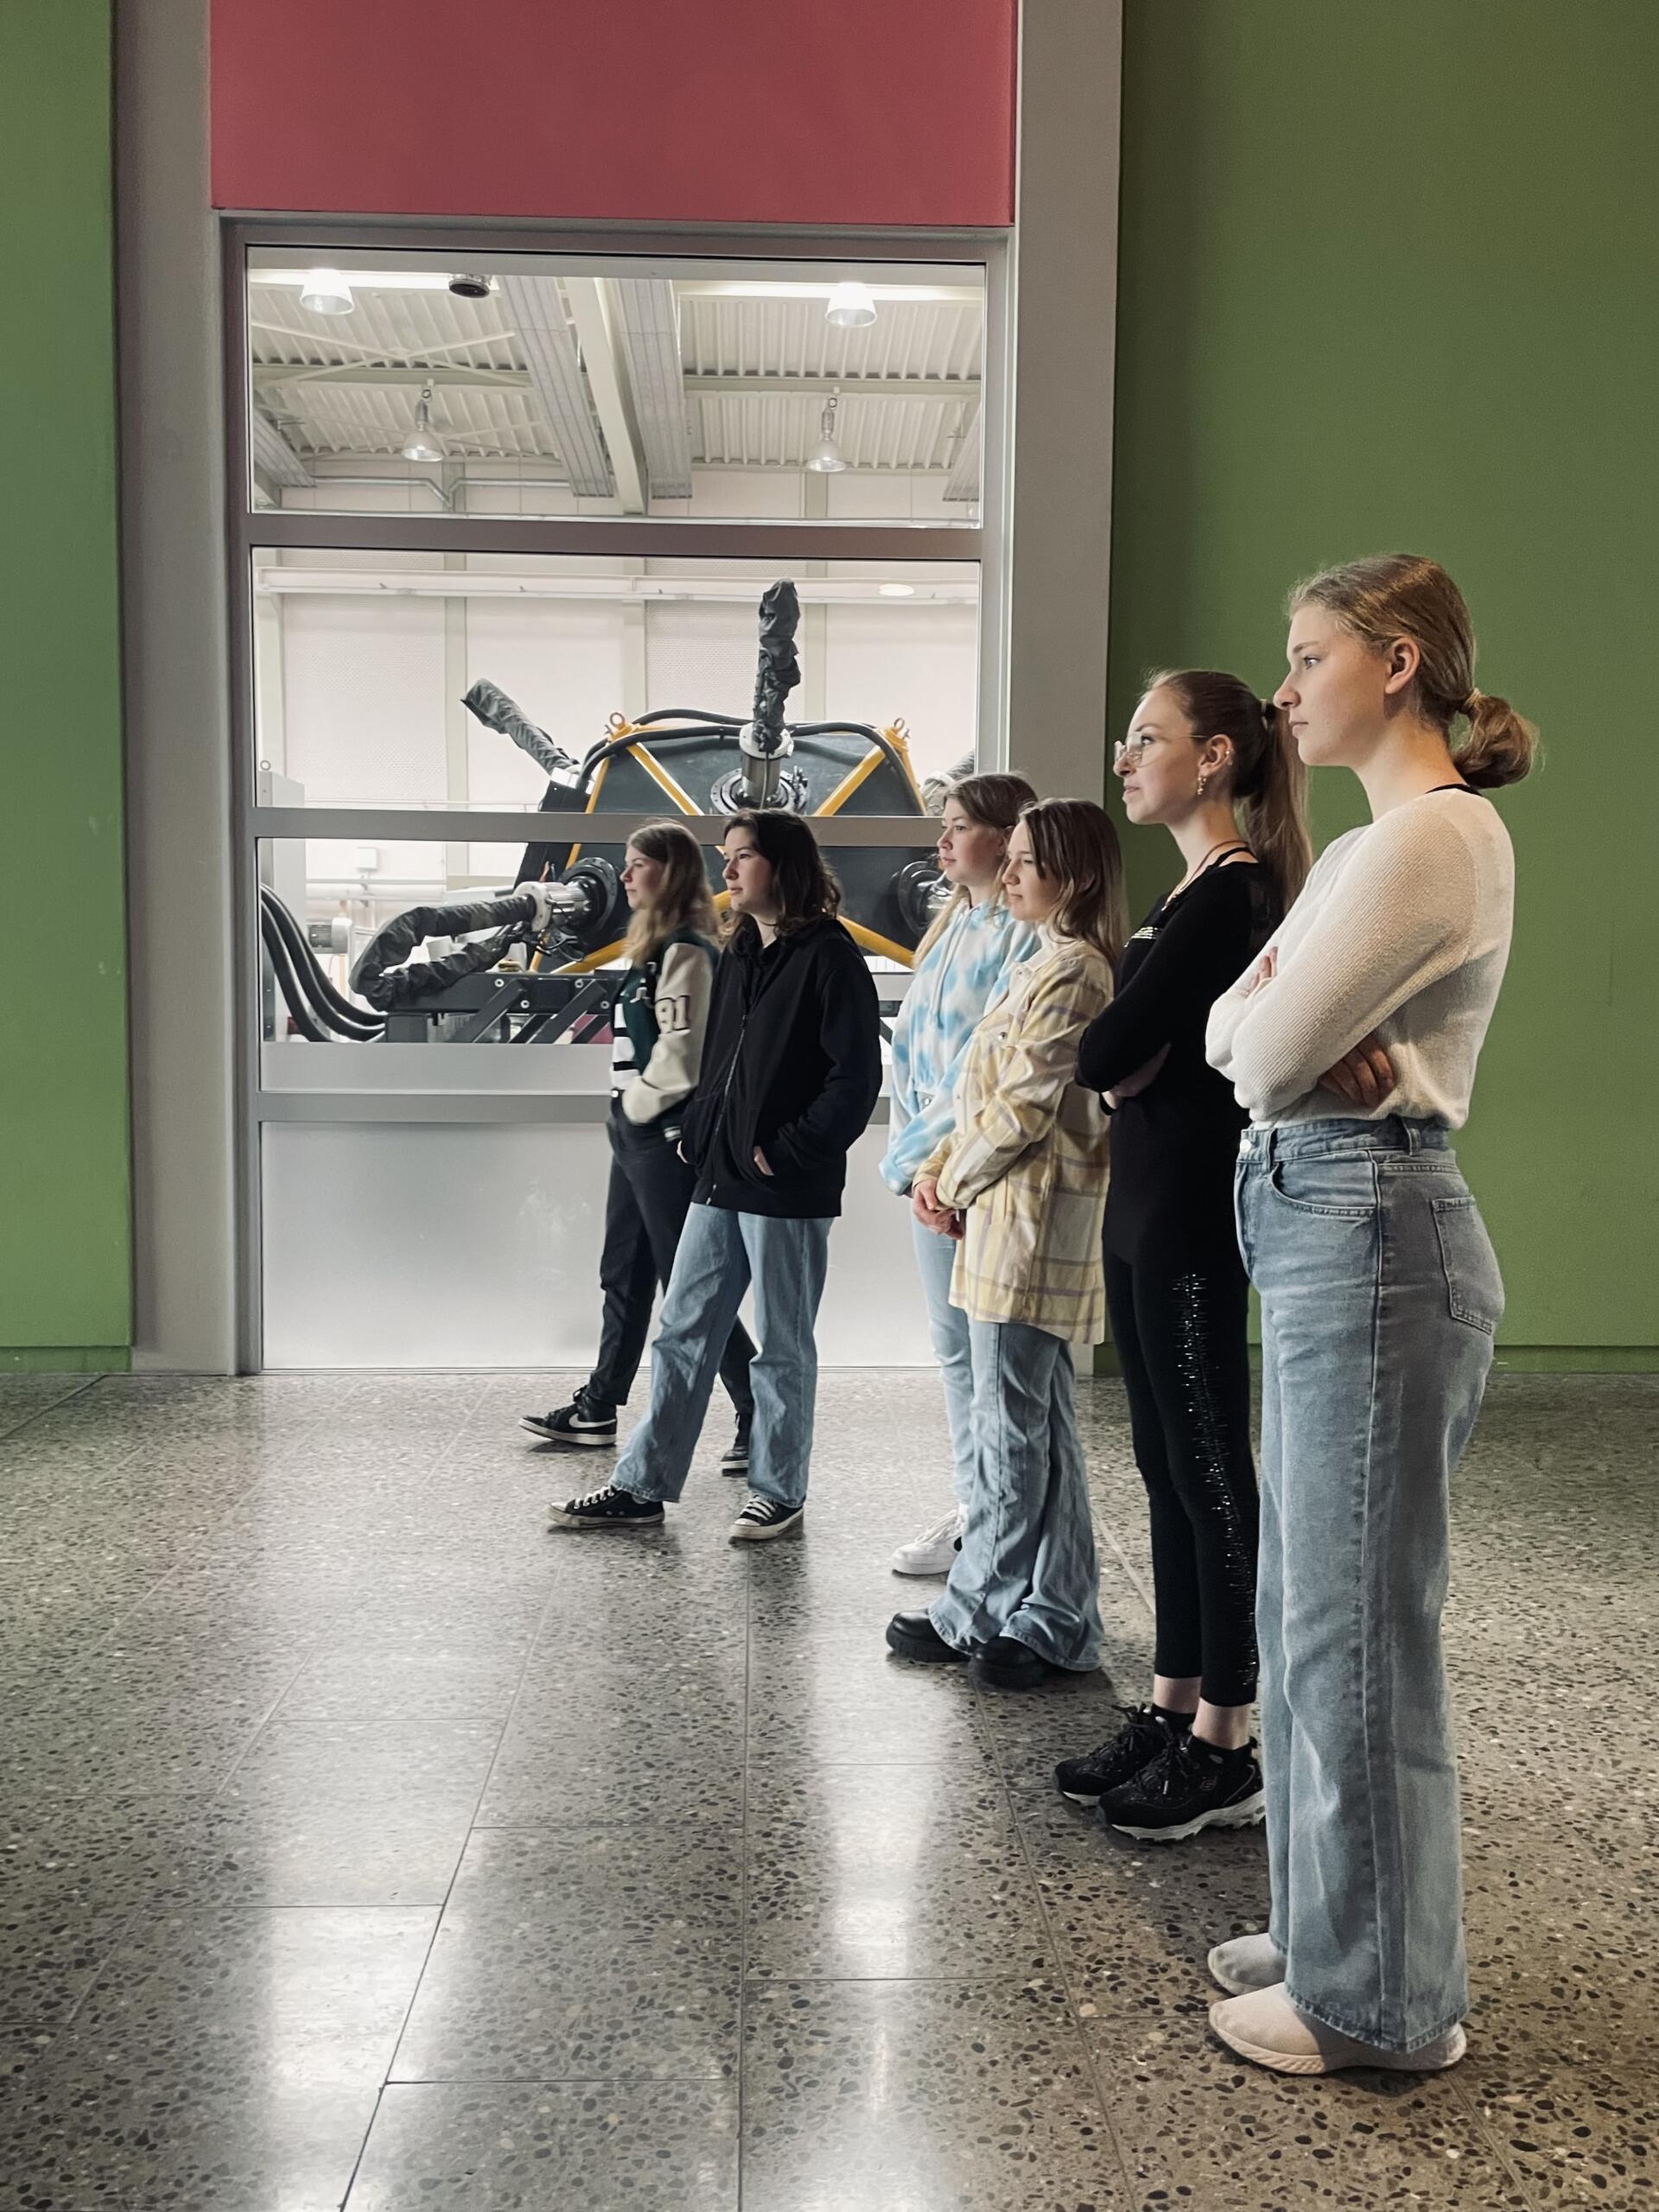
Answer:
[(325, 291), (852, 307), (423, 442), (897, 591), (826, 458)]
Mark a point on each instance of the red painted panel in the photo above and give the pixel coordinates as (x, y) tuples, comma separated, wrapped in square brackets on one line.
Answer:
[(888, 113)]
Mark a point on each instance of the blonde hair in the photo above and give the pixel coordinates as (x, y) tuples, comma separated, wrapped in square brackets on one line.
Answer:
[(1268, 782), (993, 801), (1075, 846), (1406, 595), (682, 900)]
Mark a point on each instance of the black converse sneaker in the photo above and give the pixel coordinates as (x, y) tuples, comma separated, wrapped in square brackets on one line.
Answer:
[(734, 1460), (609, 1508), (1190, 1785), (586, 1420), (1146, 1732), (763, 1518)]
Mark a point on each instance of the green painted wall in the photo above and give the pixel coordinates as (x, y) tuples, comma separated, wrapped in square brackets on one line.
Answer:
[(1390, 279), (65, 1204)]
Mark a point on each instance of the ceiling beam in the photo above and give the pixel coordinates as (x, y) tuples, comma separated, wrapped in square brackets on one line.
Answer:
[(590, 313), (786, 387), (274, 457), (556, 377), (646, 325), (278, 376)]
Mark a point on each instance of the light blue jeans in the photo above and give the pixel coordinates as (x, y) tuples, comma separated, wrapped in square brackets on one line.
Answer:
[(936, 1258), (1380, 1296), (1027, 1568), (720, 1254)]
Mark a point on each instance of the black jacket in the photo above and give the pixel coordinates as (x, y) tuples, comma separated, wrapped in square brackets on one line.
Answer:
[(792, 1062)]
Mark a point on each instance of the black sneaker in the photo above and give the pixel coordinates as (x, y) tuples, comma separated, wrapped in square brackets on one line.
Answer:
[(1005, 1663), (609, 1508), (1145, 1733), (763, 1518), (1190, 1785), (586, 1420), (734, 1460)]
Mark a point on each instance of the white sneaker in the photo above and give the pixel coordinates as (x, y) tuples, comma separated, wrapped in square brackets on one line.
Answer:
[(1248, 1963), (934, 1552)]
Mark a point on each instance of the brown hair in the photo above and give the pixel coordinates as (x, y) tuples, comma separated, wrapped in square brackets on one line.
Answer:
[(1405, 596), (1074, 845), (1268, 782), (682, 900), (803, 887), (995, 803)]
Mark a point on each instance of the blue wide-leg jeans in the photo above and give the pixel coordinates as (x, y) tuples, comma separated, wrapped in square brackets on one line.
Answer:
[(1380, 1298), (720, 1254)]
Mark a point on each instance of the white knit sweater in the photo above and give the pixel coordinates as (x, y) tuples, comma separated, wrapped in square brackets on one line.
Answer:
[(1403, 929)]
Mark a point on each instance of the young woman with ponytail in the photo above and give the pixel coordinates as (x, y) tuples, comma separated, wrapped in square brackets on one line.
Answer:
[(1216, 767), (962, 963), (1352, 1044), (662, 1012)]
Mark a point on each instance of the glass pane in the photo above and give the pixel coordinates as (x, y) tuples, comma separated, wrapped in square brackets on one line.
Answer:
[(476, 1245), (368, 670), (543, 385), (386, 964)]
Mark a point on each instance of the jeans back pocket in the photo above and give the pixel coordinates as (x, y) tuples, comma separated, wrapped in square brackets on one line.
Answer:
[(1474, 1287)]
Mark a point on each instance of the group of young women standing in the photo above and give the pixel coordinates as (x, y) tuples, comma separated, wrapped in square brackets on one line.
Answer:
[(1277, 1055)]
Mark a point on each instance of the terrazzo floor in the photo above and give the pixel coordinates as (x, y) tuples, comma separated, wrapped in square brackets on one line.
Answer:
[(364, 1845)]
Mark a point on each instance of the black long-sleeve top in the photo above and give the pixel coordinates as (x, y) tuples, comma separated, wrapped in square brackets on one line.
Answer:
[(1174, 1144)]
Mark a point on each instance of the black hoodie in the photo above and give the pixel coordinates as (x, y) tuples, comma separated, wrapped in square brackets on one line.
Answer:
[(792, 1062)]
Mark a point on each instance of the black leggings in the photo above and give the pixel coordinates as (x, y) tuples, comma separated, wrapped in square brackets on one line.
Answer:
[(645, 1205), (1180, 1337)]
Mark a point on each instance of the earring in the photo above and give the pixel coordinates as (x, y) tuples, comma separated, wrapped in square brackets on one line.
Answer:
[(1204, 778)]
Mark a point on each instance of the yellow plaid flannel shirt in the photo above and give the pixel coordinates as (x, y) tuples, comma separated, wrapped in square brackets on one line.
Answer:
[(1026, 1162)]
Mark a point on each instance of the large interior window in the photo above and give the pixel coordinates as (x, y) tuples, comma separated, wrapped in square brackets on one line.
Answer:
[(516, 528)]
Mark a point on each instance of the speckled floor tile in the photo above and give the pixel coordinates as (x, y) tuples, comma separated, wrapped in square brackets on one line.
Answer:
[(1576, 2135), (272, 1646), (238, 1999), (934, 2096), (87, 2143), (341, 1813), (1202, 2131), (497, 2003), (442, 1678), (833, 1705), (558, 1948), (888, 1871), (650, 2147)]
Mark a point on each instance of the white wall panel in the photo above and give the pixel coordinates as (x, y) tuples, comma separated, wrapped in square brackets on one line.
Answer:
[(363, 683), (562, 662), (430, 1244), (919, 663)]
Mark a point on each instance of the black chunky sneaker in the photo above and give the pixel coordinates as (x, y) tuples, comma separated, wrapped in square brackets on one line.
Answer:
[(1145, 1733), (763, 1518), (609, 1508), (585, 1421), (1190, 1785), (913, 1636), (734, 1459)]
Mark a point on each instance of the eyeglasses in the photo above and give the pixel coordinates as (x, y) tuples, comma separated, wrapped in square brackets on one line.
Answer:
[(1127, 754)]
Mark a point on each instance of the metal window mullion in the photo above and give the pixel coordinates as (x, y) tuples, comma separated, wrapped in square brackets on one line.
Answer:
[(266, 528)]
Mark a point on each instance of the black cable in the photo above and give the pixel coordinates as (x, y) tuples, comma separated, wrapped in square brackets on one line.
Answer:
[(329, 1004), (286, 982)]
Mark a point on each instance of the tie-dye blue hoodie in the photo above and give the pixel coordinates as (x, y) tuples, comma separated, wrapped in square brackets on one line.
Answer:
[(965, 970)]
